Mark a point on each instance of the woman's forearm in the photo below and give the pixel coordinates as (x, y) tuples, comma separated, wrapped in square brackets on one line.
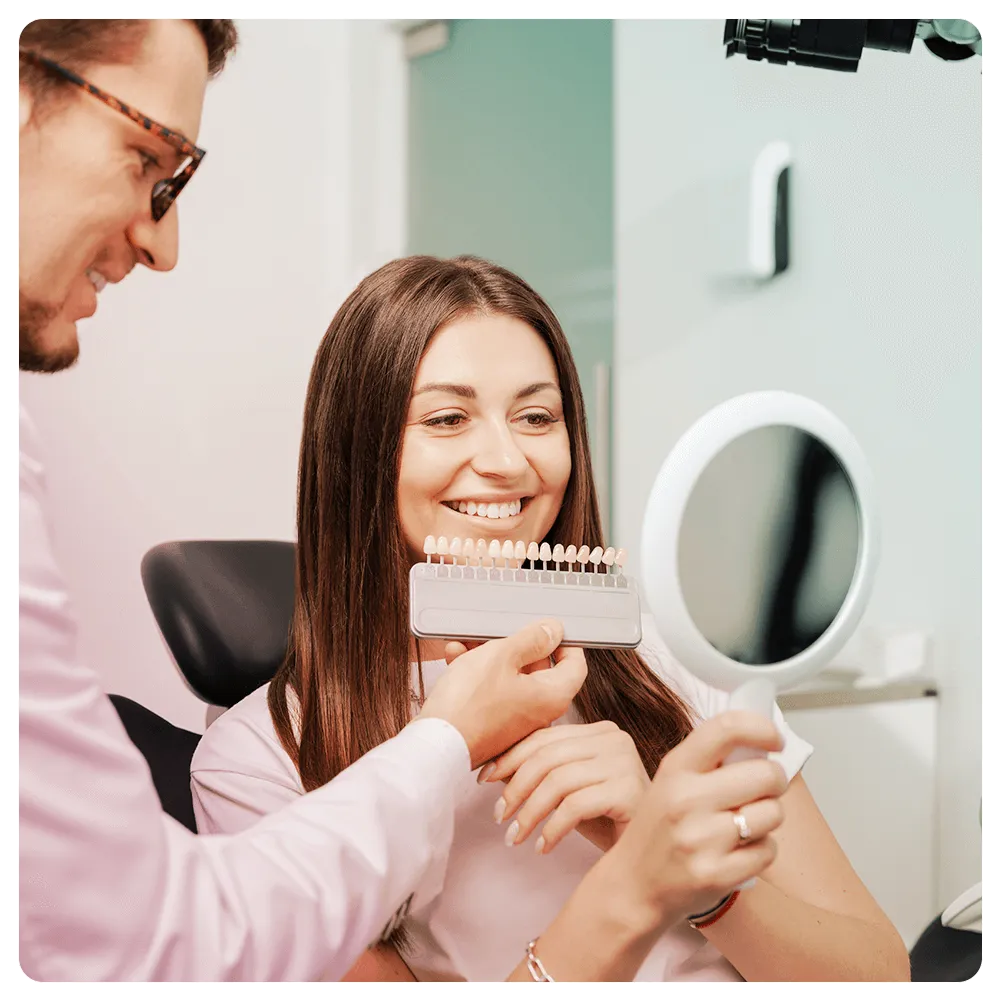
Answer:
[(602, 934), (770, 936)]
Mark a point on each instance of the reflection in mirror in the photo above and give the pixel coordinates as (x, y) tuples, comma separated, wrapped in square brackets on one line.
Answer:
[(768, 545)]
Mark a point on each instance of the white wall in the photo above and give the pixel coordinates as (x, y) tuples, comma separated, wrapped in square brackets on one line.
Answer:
[(878, 319), (182, 418)]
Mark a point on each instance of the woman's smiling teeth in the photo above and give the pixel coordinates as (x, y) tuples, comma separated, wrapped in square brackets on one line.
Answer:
[(492, 510)]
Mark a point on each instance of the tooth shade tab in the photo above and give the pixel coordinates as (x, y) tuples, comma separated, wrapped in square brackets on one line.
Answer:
[(571, 555), (495, 549), (609, 557), (582, 556), (596, 556), (519, 552), (533, 551), (507, 551), (455, 548), (469, 548), (558, 555), (481, 550), (430, 547), (544, 552), (620, 558)]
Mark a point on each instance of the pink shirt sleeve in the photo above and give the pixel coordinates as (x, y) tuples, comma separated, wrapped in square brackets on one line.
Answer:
[(112, 889)]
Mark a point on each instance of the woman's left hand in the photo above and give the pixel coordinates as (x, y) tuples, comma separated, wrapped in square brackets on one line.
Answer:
[(589, 777)]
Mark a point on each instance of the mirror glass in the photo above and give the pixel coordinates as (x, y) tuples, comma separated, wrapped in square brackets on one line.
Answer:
[(768, 545)]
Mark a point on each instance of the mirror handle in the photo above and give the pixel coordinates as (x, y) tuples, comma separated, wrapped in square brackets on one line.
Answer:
[(754, 696)]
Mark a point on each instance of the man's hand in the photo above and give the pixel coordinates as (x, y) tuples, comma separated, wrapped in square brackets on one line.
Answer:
[(499, 692)]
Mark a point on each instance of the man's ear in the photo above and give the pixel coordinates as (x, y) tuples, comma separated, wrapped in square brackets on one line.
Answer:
[(24, 106)]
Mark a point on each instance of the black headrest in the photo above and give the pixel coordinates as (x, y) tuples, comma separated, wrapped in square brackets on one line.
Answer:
[(224, 609)]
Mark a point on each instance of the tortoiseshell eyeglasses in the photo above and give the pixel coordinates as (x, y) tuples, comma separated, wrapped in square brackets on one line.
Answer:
[(164, 191)]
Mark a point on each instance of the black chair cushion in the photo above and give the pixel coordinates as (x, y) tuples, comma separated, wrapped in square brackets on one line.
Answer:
[(224, 609), (945, 955)]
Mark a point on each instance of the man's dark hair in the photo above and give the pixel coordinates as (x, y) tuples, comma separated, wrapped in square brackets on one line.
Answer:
[(81, 44)]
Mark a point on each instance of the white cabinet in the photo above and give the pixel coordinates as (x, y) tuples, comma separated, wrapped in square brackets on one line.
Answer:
[(873, 776)]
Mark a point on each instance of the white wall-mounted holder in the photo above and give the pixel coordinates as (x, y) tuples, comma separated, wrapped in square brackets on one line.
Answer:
[(422, 38), (768, 248)]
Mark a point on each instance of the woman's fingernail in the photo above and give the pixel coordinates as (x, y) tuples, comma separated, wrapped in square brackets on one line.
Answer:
[(511, 835), (499, 810), (539, 845), (484, 774)]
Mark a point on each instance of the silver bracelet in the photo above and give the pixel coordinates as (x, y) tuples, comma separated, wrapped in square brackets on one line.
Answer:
[(535, 967)]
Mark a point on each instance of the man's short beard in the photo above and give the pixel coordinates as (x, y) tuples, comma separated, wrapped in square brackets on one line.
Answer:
[(33, 318)]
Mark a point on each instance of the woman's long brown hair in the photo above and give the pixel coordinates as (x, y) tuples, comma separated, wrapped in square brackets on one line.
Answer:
[(349, 653)]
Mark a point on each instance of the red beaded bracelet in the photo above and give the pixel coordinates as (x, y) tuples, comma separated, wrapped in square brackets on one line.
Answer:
[(720, 911)]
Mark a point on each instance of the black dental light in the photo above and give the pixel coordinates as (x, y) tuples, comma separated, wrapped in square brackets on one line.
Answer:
[(838, 44)]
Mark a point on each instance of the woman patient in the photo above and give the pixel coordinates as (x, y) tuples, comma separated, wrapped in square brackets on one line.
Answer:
[(444, 401)]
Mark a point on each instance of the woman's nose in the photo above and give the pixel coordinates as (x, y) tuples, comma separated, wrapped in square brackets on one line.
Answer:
[(497, 453)]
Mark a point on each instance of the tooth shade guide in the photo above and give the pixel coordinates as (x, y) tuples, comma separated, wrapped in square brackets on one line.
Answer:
[(609, 558), (519, 553), (585, 601), (595, 557), (469, 551), (430, 547)]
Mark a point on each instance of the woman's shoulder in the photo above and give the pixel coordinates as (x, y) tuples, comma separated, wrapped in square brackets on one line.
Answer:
[(702, 698), (707, 701), (244, 739)]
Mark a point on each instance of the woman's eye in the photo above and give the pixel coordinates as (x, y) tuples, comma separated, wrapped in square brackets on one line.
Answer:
[(538, 419), (446, 420)]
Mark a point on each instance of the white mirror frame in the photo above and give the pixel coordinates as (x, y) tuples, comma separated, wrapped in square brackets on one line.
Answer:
[(665, 508)]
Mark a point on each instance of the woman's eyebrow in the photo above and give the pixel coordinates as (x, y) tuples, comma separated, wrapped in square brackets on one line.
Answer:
[(467, 391), (453, 389)]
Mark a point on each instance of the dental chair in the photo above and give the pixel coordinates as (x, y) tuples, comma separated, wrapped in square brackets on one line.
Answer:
[(224, 609)]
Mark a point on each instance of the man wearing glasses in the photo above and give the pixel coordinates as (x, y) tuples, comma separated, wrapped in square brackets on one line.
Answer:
[(110, 888)]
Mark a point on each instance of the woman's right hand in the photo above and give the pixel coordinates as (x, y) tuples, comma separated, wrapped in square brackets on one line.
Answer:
[(681, 853)]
